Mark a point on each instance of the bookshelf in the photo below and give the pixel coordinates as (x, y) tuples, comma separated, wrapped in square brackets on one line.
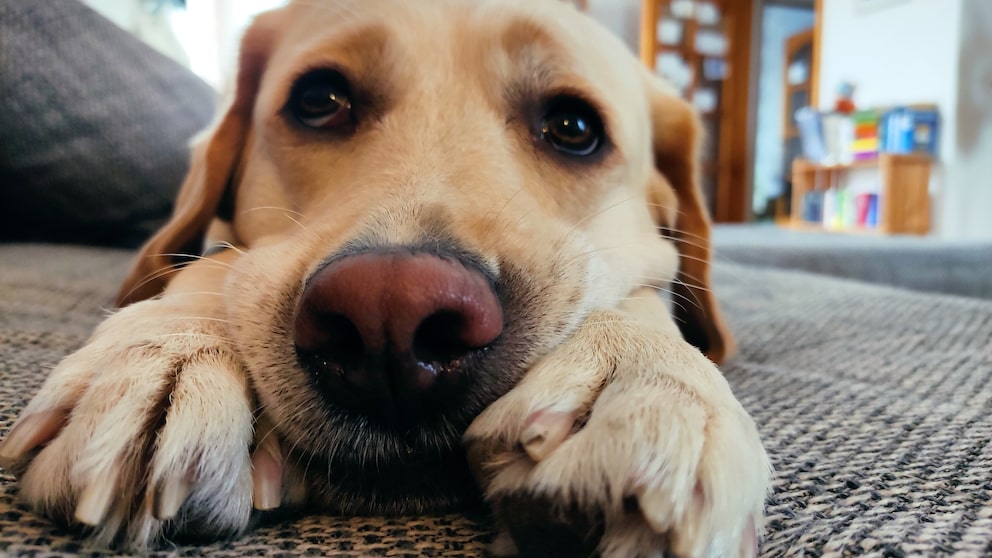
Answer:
[(903, 196), (703, 49)]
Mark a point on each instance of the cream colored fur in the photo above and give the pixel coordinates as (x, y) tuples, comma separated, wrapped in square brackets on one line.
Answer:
[(178, 413)]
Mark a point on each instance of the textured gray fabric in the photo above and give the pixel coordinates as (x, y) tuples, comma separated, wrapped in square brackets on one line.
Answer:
[(873, 403), (94, 126), (919, 263)]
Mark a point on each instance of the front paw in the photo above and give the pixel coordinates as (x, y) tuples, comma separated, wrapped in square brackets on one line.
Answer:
[(142, 433), (625, 441)]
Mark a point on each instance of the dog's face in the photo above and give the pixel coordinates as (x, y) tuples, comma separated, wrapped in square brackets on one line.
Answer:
[(517, 142)]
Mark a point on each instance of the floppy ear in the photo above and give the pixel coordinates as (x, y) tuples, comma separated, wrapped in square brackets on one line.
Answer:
[(214, 158), (676, 139)]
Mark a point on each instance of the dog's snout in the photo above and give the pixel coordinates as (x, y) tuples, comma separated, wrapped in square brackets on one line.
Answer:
[(387, 333)]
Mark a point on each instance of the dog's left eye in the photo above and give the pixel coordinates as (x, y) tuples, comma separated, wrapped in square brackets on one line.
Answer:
[(572, 127), (321, 99)]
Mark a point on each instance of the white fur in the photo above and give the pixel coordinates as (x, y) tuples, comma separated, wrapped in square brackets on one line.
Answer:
[(663, 426), (112, 386)]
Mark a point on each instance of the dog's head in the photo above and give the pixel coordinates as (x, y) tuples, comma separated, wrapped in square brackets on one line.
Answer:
[(430, 196)]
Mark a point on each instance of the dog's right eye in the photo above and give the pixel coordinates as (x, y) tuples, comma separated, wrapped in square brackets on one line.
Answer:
[(571, 126), (320, 99)]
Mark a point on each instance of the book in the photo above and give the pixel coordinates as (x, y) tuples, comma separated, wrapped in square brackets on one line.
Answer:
[(910, 130), (871, 218)]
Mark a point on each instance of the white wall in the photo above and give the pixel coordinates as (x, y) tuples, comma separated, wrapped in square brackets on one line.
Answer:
[(210, 31), (967, 213), (151, 26), (623, 17), (902, 53), (911, 51)]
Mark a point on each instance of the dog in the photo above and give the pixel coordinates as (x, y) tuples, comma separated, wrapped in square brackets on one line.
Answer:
[(436, 234)]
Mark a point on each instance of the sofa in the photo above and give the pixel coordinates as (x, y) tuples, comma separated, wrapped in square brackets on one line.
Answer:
[(872, 400), (866, 363)]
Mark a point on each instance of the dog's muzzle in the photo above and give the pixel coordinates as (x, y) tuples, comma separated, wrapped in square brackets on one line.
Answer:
[(391, 334)]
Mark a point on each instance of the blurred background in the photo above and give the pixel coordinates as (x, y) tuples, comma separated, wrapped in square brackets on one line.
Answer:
[(856, 116)]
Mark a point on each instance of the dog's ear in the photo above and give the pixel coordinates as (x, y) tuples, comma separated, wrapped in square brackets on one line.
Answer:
[(215, 155), (676, 140)]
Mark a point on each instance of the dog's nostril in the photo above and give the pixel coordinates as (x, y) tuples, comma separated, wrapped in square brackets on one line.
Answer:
[(344, 345), (438, 339)]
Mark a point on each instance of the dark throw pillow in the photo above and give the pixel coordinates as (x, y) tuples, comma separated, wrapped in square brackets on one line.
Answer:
[(94, 126)]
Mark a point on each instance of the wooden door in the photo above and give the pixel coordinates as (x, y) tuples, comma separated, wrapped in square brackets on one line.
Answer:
[(703, 48)]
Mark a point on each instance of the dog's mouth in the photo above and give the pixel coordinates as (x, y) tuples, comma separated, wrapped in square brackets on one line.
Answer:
[(439, 386)]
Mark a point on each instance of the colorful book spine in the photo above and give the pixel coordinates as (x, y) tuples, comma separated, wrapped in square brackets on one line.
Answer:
[(813, 207), (829, 208), (862, 203), (865, 144), (871, 220), (910, 130)]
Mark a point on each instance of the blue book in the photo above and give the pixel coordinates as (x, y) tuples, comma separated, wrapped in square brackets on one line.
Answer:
[(871, 220)]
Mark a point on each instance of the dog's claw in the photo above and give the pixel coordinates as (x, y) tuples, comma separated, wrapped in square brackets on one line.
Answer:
[(545, 431), (95, 501), (503, 544), (31, 432), (750, 541), (170, 496), (656, 509), (267, 475)]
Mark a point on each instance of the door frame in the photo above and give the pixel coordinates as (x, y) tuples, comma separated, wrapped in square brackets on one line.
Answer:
[(752, 97), (733, 191)]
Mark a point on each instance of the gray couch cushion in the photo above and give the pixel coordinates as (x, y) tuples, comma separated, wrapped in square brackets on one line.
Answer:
[(94, 126), (873, 403), (920, 263)]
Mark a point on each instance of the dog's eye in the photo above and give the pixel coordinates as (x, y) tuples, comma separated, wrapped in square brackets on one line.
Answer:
[(572, 127), (321, 99)]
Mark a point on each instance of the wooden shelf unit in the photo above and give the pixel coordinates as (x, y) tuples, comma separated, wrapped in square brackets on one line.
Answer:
[(724, 173), (798, 50), (903, 198)]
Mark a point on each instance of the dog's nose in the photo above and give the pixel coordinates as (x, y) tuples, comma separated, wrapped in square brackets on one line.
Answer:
[(389, 333)]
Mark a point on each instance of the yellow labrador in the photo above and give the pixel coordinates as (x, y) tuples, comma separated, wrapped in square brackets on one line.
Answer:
[(442, 229)]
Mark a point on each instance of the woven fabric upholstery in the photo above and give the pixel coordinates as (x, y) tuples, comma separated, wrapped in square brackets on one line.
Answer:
[(873, 403), (920, 263), (94, 126)]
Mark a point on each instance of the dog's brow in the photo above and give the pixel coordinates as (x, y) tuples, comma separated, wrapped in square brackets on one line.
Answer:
[(366, 42), (541, 64), (533, 50), (361, 51)]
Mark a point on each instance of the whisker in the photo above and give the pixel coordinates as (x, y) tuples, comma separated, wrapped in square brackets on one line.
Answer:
[(670, 292), (178, 266), (595, 214), (197, 318), (191, 334), (196, 293), (224, 265), (683, 241), (499, 214), (157, 274), (272, 208), (230, 246), (265, 436), (677, 280), (288, 214)]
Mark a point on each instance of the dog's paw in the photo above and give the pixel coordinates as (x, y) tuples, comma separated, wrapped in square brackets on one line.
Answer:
[(624, 441), (143, 433)]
